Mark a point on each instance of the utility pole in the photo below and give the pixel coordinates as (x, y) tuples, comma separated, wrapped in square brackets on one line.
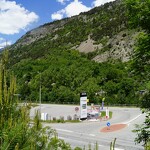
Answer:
[(40, 94)]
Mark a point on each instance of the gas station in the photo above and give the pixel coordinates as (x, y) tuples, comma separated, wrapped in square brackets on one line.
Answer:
[(94, 112)]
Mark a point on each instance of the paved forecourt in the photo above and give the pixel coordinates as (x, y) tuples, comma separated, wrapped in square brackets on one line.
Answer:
[(85, 132), (56, 111)]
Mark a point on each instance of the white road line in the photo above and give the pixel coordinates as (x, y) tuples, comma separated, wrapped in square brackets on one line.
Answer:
[(132, 120), (69, 131), (89, 143), (118, 149), (92, 134), (65, 130)]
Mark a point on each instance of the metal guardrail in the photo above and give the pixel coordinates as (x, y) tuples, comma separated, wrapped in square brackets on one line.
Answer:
[(78, 103), (106, 105)]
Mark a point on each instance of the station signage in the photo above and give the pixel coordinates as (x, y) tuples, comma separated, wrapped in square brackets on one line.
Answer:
[(83, 106)]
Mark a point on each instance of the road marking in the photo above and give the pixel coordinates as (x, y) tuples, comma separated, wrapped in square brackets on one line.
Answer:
[(92, 134), (65, 130), (132, 119), (60, 137), (105, 146), (93, 144), (69, 131)]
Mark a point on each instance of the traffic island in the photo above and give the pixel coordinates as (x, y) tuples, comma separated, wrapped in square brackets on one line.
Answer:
[(113, 128)]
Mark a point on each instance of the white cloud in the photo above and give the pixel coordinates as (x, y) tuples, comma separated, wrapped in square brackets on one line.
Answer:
[(3, 42), (74, 8), (14, 17), (62, 1), (58, 15), (101, 2)]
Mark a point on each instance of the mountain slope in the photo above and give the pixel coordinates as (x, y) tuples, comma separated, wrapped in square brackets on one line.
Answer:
[(62, 56), (102, 30)]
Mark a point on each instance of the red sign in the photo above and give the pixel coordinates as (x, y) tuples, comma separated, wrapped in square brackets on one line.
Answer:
[(76, 109)]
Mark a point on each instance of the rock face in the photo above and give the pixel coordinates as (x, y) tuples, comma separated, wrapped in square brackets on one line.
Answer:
[(100, 33), (40, 32), (88, 46), (120, 47)]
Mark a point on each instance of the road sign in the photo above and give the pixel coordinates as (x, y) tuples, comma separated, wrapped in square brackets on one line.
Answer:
[(108, 124), (83, 106), (76, 109)]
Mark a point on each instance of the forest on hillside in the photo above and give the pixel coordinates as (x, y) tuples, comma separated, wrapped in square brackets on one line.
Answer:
[(62, 72), (65, 74)]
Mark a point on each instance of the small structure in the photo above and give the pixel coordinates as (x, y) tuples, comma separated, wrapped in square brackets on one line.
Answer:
[(83, 106), (44, 116), (93, 113)]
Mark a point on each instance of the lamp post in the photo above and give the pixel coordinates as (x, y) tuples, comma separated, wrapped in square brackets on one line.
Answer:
[(40, 94), (103, 99), (142, 92)]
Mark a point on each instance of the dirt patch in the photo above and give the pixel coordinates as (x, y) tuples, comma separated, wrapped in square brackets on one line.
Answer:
[(113, 128), (88, 46)]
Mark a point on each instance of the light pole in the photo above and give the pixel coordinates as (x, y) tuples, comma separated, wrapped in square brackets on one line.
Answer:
[(40, 94), (103, 99), (142, 92)]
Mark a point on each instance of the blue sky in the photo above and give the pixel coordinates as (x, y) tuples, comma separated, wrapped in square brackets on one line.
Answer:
[(19, 16)]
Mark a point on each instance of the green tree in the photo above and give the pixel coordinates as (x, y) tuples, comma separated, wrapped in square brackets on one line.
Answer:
[(141, 58), (138, 13), (143, 130), (139, 16), (17, 132)]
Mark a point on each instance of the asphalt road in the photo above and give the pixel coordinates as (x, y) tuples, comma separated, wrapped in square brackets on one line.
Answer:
[(88, 132)]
